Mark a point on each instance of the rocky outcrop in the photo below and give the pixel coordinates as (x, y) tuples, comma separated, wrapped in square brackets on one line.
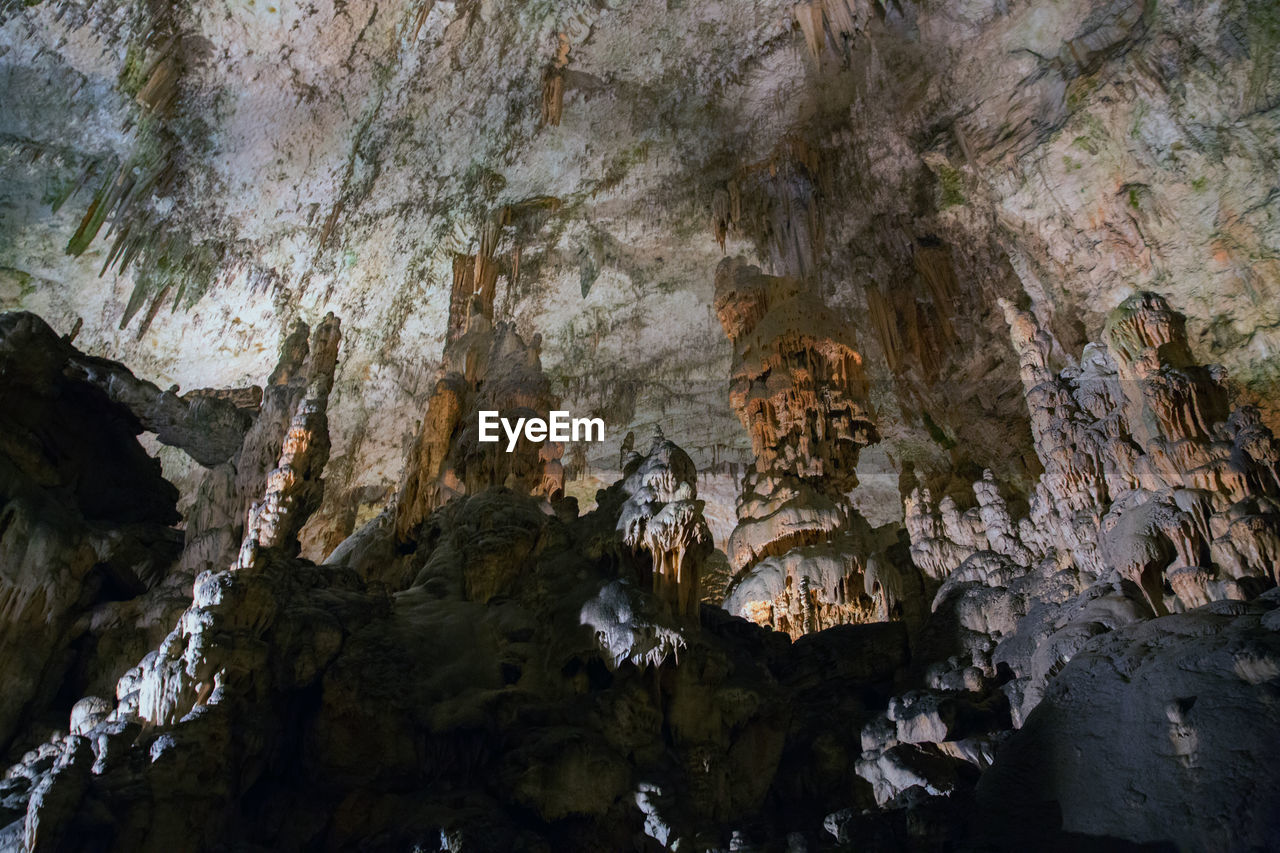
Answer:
[(209, 425), (86, 524), (92, 563), (232, 649), (1158, 733)]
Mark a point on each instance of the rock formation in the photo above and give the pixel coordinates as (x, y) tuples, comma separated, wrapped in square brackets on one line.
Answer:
[(294, 486), (486, 367), (273, 649), (1162, 700), (800, 551), (1057, 622), (663, 518), (512, 675), (95, 566), (1156, 498), (85, 524)]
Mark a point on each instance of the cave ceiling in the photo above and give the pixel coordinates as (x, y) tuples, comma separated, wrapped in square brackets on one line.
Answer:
[(281, 162)]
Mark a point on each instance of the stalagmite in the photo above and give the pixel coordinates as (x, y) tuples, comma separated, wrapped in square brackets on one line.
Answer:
[(306, 366), (798, 550), (663, 517), (488, 368), (294, 487)]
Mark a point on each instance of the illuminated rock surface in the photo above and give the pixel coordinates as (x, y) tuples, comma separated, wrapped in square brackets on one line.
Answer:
[(800, 550)]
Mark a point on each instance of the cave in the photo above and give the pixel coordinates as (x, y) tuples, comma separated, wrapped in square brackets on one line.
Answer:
[(636, 425)]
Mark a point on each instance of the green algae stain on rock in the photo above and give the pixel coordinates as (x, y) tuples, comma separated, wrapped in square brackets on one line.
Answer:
[(15, 287)]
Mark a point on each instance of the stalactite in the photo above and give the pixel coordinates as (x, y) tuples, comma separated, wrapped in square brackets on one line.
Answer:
[(553, 84), (776, 203), (485, 269), (721, 216), (475, 276), (925, 339), (809, 16), (935, 267), (838, 18), (424, 10), (662, 517), (460, 294), (161, 89)]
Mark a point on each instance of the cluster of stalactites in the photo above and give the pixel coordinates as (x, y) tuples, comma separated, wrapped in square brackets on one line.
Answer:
[(803, 607), (662, 517), (475, 281), (799, 390), (486, 368), (798, 551), (1169, 399), (1148, 472), (494, 254), (827, 23), (776, 203)]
